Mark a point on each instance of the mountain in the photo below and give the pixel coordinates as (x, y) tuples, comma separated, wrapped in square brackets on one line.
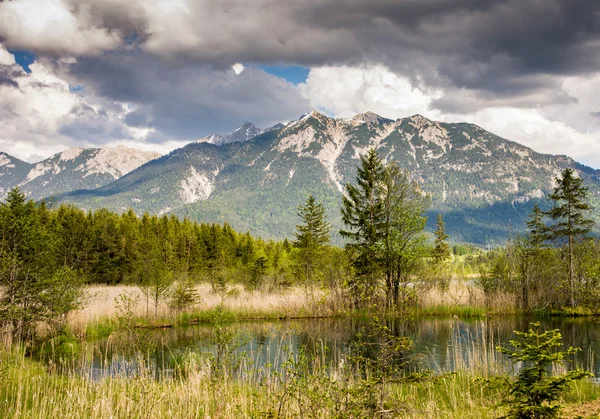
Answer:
[(244, 132), (12, 171), (74, 168), (483, 184)]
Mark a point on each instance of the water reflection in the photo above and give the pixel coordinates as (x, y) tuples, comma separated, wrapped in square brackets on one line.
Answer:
[(445, 344)]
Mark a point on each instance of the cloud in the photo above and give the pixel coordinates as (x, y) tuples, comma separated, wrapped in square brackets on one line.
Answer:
[(514, 48), (52, 26), (40, 115), (237, 68), (186, 101), (345, 91), (132, 99)]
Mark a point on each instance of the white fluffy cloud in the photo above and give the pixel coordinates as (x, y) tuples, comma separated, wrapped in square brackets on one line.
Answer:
[(571, 128), (49, 25), (41, 115), (131, 100), (345, 91)]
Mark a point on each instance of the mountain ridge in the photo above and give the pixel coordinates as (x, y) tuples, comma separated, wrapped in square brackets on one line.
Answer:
[(71, 169), (257, 184)]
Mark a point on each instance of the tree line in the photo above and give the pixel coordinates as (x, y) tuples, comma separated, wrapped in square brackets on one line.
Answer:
[(557, 262), (47, 255)]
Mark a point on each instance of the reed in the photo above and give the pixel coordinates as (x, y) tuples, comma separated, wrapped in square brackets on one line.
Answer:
[(282, 382)]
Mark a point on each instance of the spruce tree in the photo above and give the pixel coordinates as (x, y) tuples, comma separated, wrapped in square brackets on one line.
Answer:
[(441, 250), (362, 213), (535, 393), (311, 237), (569, 216), (314, 232), (538, 231)]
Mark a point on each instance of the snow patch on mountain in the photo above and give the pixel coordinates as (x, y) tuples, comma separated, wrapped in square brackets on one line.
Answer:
[(438, 135), (244, 132), (195, 187), (418, 121), (41, 169)]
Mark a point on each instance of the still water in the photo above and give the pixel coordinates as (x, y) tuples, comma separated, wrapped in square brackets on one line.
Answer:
[(442, 344)]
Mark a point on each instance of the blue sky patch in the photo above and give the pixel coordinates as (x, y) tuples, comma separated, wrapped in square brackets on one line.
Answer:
[(24, 59), (293, 73)]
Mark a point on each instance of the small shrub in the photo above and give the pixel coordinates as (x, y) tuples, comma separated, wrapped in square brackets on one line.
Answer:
[(535, 393)]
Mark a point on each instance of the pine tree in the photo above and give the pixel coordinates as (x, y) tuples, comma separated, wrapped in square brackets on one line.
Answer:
[(535, 393), (568, 214), (314, 233), (441, 251), (362, 213), (311, 237), (35, 287)]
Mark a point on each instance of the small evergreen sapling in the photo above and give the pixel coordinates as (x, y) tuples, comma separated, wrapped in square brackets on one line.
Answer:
[(535, 393)]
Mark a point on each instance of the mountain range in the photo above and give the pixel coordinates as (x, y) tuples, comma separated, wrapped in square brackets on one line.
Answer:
[(255, 179), (74, 168)]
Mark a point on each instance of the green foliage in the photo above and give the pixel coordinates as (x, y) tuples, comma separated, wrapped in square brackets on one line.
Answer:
[(384, 216), (184, 295), (569, 217), (226, 359), (314, 232), (441, 251), (312, 236), (36, 286), (257, 275), (535, 392), (362, 214), (125, 305)]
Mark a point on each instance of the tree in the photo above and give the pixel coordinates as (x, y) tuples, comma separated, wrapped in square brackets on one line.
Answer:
[(403, 242), (530, 250), (384, 213), (257, 274), (183, 295), (569, 216), (362, 214), (35, 287), (534, 394), (441, 251), (311, 237)]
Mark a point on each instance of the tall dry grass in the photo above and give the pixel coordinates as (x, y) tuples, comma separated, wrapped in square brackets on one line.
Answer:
[(295, 301)]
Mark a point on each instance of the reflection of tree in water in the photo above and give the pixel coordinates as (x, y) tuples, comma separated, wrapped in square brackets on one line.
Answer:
[(440, 341)]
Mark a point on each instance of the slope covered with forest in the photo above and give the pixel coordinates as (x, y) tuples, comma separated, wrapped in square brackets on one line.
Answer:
[(484, 185)]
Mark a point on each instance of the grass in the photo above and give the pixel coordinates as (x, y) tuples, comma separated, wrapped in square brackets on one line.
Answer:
[(28, 389), (450, 310)]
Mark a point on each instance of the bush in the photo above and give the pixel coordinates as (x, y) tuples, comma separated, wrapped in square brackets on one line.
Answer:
[(535, 393)]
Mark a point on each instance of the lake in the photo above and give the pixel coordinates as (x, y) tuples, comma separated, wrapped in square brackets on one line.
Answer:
[(443, 344)]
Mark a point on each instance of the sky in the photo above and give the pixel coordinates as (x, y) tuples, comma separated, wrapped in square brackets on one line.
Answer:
[(157, 74)]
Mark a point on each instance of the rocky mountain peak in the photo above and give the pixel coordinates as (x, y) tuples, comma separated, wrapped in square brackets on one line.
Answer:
[(418, 121), (368, 117), (244, 132)]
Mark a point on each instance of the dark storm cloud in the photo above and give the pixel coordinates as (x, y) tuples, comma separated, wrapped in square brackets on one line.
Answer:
[(88, 124), (512, 51), (186, 100), (9, 75)]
